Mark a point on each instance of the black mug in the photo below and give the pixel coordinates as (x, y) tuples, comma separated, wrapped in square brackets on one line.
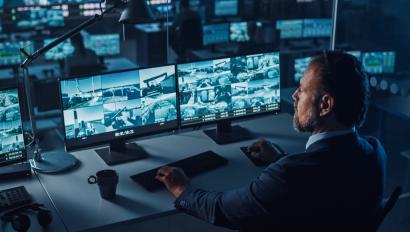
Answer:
[(107, 181)]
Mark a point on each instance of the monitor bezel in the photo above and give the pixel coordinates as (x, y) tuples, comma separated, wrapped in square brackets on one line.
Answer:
[(273, 112), (75, 145), (24, 151)]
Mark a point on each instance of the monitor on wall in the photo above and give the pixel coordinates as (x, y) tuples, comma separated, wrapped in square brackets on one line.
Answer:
[(226, 8), (113, 107), (220, 90)]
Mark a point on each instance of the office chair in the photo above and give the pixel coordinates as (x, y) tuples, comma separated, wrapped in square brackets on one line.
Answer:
[(386, 208), (189, 37)]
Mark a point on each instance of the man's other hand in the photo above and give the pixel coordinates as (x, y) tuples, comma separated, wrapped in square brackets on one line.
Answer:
[(174, 179), (263, 151)]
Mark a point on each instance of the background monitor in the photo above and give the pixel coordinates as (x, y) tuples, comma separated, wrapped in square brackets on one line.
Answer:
[(317, 28), (379, 62), (103, 44), (300, 66), (18, 3), (357, 54), (39, 17), (10, 52), (12, 145), (239, 32), (226, 7), (113, 107), (290, 29), (59, 52), (228, 88), (215, 33)]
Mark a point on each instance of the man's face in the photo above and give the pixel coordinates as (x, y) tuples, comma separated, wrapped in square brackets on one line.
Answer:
[(306, 117)]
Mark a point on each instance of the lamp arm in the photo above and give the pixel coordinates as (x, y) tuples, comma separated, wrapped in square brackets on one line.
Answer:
[(31, 57)]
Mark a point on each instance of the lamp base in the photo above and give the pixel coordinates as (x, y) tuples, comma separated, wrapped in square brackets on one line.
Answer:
[(54, 162)]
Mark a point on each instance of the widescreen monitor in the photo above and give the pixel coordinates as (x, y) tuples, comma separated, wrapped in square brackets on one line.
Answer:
[(215, 33), (10, 52), (290, 29), (226, 7), (313, 28), (59, 52), (103, 44), (12, 145), (379, 62), (220, 90), (239, 32), (300, 66), (39, 18), (113, 107)]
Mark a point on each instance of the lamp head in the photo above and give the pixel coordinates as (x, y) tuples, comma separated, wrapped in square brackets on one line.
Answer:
[(133, 11)]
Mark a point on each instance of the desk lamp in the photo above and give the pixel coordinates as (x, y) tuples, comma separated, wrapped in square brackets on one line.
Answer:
[(133, 11)]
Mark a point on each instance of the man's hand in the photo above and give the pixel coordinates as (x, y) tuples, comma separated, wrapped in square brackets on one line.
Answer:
[(264, 151), (174, 179)]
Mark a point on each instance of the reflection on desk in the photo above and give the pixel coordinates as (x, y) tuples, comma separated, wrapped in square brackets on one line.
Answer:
[(81, 206)]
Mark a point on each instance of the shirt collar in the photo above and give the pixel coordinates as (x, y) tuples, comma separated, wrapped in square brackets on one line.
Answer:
[(328, 134)]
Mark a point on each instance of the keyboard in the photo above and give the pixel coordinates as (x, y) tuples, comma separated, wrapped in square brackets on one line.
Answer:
[(192, 166), (14, 197), (258, 162)]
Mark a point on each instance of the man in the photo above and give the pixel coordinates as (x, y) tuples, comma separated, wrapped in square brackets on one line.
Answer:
[(335, 185)]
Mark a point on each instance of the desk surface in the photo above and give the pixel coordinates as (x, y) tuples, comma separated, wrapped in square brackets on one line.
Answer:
[(82, 208), (35, 189)]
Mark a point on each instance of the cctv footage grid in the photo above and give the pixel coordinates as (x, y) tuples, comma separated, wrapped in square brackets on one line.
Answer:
[(11, 133), (228, 88), (118, 102)]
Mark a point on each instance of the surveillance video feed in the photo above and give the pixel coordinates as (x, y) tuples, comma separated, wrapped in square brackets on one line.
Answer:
[(239, 32), (118, 101), (11, 133), (228, 88), (379, 62), (300, 66)]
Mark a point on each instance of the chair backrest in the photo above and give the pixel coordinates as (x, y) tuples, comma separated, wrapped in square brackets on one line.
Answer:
[(387, 206), (190, 34)]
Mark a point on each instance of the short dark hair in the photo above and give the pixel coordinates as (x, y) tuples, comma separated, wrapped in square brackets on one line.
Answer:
[(343, 77)]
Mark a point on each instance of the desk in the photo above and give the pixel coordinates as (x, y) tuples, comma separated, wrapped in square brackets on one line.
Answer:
[(82, 208), (34, 187)]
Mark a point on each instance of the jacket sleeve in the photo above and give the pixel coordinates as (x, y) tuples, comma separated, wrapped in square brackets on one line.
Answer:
[(232, 208)]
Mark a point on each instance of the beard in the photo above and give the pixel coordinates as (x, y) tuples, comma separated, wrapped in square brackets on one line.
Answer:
[(310, 122)]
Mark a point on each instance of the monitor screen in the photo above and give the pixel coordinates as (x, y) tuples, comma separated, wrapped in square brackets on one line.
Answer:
[(10, 52), (300, 66), (215, 33), (12, 146), (39, 18), (239, 32), (59, 52), (317, 28), (104, 44), (290, 29), (18, 3), (379, 62), (357, 54), (228, 88), (226, 7), (118, 105)]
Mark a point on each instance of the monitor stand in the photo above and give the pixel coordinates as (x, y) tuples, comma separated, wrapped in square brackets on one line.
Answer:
[(226, 133), (121, 152)]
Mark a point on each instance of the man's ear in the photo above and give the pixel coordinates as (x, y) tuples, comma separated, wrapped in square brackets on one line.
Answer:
[(327, 104)]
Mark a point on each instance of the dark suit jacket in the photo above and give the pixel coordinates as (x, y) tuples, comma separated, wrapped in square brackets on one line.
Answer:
[(336, 185)]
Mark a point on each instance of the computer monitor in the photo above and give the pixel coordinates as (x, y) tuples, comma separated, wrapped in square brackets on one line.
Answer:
[(239, 32), (215, 33), (300, 65), (12, 145), (220, 90), (113, 107), (290, 29), (10, 52), (226, 7), (59, 52), (313, 28), (14, 3), (38, 18), (379, 62), (103, 44), (357, 54)]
